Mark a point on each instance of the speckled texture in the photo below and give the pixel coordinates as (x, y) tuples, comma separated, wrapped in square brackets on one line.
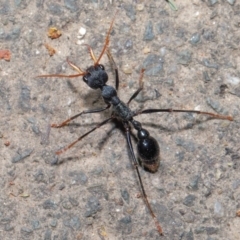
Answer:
[(192, 61)]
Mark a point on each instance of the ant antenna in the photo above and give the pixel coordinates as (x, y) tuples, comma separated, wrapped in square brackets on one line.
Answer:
[(80, 72), (107, 40)]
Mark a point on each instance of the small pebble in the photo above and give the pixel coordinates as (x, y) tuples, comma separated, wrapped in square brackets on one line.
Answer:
[(128, 44), (209, 64), (231, 2), (80, 42), (140, 7), (127, 69), (73, 223), (48, 234), (146, 50), (199, 230), (189, 200), (212, 2), (195, 38), (233, 80), (218, 174), (238, 213), (130, 11), (148, 34), (93, 206), (184, 57), (66, 205), (206, 76), (26, 231), (218, 209), (125, 195), (72, 5), (82, 31), (53, 223), (211, 230)]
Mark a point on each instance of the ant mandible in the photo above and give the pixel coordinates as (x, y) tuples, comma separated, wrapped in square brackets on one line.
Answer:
[(148, 149)]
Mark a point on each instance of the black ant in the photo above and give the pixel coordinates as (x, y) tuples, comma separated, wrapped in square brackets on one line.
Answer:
[(147, 147)]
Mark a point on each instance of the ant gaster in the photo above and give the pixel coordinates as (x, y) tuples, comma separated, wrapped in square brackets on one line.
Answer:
[(147, 147)]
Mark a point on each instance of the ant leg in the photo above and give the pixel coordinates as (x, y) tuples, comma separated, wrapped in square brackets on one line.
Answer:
[(135, 164), (84, 135), (54, 125), (114, 66), (139, 89), (213, 115)]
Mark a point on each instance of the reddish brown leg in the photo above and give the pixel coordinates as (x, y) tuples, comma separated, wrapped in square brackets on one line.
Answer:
[(84, 135), (213, 115), (135, 164), (54, 125), (139, 89), (114, 67)]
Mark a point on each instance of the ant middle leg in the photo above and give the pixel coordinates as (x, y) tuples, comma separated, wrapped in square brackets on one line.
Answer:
[(114, 66), (64, 123), (140, 88)]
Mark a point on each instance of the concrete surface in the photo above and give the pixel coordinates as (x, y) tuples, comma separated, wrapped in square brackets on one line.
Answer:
[(191, 57)]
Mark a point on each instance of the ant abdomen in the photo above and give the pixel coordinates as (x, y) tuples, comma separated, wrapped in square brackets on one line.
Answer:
[(148, 151)]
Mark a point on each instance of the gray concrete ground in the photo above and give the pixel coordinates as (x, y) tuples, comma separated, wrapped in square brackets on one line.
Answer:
[(191, 57)]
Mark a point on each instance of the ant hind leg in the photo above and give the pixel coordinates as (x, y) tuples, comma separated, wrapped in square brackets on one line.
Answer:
[(144, 195), (213, 115)]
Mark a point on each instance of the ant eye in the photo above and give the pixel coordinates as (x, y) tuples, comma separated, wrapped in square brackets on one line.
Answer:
[(85, 79), (86, 76), (101, 66)]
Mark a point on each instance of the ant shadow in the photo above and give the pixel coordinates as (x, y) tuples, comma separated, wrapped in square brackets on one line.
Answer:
[(90, 98), (118, 125)]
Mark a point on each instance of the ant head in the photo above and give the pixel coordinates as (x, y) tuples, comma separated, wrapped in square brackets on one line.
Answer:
[(96, 76)]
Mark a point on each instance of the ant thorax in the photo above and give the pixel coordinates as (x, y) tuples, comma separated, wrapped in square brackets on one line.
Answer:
[(122, 112)]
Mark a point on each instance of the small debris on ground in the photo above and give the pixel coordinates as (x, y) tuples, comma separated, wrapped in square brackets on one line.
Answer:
[(5, 54), (54, 33), (51, 50)]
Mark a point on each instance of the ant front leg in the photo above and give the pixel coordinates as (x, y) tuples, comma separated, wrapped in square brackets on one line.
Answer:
[(135, 164), (54, 125)]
